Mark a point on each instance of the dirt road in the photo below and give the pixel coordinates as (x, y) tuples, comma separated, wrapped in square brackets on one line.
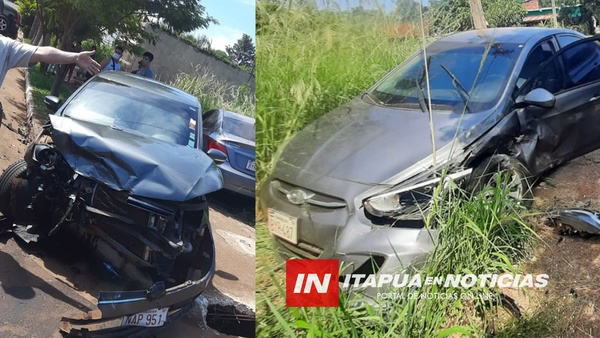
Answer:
[(39, 284)]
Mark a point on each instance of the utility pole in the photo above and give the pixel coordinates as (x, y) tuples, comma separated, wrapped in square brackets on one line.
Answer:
[(554, 18), (477, 13)]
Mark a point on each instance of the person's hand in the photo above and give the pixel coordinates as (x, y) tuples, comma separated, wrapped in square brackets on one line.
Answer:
[(85, 62)]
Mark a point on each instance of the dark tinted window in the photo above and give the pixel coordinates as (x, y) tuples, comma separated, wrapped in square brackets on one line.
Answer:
[(582, 63), (210, 121), (536, 73), (566, 39), (239, 128)]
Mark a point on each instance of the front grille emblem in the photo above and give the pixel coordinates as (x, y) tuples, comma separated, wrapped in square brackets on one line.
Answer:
[(298, 196)]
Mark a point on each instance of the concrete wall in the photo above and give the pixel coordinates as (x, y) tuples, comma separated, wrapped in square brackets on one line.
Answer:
[(172, 56)]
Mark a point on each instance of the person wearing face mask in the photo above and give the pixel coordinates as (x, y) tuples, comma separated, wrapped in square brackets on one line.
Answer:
[(112, 63)]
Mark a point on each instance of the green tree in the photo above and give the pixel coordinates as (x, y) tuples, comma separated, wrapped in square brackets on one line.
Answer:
[(447, 16), (558, 3), (584, 18), (407, 10), (243, 51)]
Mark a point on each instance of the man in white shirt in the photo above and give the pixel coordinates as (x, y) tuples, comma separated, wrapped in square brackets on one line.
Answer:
[(16, 54)]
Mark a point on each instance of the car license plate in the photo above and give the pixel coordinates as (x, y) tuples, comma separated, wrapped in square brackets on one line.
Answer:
[(251, 165), (282, 225), (150, 318)]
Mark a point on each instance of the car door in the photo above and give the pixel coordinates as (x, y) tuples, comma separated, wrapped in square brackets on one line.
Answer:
[(572, 126)]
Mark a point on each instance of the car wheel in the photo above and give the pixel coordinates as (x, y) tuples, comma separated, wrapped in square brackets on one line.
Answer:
[(503, 167), (15, 170), (3, 24)]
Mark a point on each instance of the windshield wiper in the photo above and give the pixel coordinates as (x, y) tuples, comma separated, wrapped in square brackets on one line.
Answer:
[(462, 91), (422, 103)]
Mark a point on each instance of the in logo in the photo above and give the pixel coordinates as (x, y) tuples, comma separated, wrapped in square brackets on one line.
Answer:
[(312, 282)]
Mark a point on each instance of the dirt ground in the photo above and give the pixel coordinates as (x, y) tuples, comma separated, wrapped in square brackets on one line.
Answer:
[(53, 285), (572, 297)]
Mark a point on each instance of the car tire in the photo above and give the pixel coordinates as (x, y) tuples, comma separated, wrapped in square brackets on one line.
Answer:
[(520, 179), (13, 171), (3, 25)]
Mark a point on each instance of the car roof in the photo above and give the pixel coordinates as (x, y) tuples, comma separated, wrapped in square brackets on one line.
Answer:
[(520, 35), (11, 5), (147, 84), (237, 116)]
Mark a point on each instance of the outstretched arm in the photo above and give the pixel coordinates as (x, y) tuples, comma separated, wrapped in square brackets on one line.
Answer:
[(52, 55)]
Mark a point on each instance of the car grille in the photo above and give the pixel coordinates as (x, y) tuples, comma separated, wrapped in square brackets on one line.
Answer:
[(297, 195), (300, 250)]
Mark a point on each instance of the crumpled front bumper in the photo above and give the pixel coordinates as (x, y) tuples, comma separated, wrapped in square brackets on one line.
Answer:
[(112, 306)]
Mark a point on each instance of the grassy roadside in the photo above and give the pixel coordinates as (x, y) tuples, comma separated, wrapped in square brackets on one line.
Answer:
[(40, 88), (214, 93)]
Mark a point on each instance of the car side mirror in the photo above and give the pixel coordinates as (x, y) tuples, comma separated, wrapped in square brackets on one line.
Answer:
[(540, 97), (52, 102), (216, 155)]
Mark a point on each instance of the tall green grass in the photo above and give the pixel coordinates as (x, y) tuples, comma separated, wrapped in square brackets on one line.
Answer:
[(214, 93), (309, 62), (41, 84)]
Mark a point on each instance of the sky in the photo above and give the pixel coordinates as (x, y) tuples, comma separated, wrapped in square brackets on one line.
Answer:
[(235, 17)]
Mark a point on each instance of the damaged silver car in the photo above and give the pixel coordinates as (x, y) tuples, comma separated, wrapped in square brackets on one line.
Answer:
[(118, 164), (354, 184)]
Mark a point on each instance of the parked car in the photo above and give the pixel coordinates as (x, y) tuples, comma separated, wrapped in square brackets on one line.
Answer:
[(354, 184), (114, 167), (10, 19), (234, 135)]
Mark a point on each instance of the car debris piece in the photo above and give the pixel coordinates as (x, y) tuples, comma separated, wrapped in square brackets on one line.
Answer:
[(582, 220)]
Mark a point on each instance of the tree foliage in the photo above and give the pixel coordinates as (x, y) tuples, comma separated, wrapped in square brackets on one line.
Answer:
[(558, 3), (447, 16), (242, 52), (71, 20), (407, 10), (584, 18)]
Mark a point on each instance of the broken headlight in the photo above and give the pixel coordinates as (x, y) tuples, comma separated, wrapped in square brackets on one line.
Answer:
[(403, 197)]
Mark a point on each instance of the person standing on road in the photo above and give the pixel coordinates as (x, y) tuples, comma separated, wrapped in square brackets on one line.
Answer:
[(17, 54)]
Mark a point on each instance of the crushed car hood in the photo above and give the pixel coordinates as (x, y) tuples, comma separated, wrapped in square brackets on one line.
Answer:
[(141, 165), (360, 145)]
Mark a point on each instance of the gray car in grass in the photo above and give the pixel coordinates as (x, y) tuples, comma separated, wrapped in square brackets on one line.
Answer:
[(353, 185)]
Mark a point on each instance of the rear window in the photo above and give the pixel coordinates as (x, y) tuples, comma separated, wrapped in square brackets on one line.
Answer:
[(239, 128)]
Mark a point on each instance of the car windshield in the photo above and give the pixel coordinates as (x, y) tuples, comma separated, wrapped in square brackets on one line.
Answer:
[(134, 110), (239, 128), (458, 73)]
